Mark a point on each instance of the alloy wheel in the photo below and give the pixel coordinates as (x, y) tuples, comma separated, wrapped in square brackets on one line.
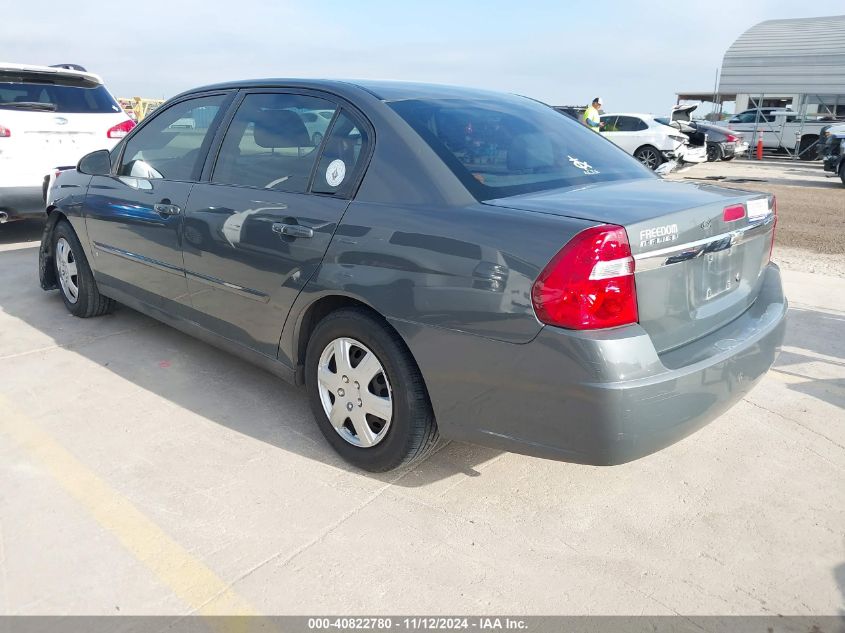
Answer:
[(66, 265), (649, 158), (354, 391)]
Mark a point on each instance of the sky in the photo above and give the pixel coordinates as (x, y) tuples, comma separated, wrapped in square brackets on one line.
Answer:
[(635, 55)]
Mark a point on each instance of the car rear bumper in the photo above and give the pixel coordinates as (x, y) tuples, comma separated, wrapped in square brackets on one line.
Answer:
[(603, 397), (21, 202)]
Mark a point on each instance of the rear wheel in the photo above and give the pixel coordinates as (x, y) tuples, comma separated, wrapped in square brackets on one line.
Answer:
[(367, 393), (842, 172), (76, 281), (808, 148), (649, 156)]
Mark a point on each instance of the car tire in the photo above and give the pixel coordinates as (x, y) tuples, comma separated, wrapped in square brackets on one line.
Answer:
[(806, 150), (382, 445), (649, 156), (714, 152), (842, 172), (75, 280)]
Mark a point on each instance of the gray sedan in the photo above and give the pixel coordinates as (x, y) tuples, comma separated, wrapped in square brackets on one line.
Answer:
[(440, 262)]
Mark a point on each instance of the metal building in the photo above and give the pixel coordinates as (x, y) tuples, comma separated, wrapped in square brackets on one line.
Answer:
[(797, 63)]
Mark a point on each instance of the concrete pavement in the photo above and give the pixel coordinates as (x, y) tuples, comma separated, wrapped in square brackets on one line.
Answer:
[(144, 472)]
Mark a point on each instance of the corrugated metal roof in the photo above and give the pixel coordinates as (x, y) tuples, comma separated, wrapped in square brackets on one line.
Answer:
[(800, 56)]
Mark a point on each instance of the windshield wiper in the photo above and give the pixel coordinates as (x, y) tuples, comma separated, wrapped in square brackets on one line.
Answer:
[(29, 105)]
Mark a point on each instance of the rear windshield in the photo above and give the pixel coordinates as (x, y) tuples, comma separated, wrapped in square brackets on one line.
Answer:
[(55, 98), (509, 146)]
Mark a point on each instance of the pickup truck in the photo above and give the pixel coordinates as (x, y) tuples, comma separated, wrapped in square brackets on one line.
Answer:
[(781, 130)]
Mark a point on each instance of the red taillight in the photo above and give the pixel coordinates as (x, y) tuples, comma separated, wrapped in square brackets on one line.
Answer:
[(121, 129), (774, 225), (733, 213), (5, 132), (589, 284), (730, 138)]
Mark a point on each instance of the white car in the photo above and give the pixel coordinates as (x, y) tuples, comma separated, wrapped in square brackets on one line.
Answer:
[(49, 117), (648, 140)]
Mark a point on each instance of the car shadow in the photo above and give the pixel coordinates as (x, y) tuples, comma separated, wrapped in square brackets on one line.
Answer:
[(202, 379), (814, 336), (20, 231)]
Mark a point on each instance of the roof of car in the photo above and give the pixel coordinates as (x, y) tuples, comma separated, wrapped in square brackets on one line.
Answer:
[(50, 70), (384, 90)]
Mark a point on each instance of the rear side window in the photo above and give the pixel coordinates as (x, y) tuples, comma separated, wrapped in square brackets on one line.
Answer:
[(54, 98), (170, 146), (340, 158), (273, 141), (511, 145)]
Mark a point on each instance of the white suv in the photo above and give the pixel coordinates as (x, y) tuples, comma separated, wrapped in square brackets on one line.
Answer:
[(50, 116), (648, 140)]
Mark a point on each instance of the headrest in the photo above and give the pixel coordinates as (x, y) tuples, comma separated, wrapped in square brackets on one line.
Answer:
[(530, 151), (280, 128)]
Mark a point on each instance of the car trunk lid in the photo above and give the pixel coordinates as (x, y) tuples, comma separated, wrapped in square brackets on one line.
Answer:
[(696, 267)]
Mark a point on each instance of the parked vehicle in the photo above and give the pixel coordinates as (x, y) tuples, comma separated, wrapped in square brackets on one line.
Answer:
[(720, 142), (834, 150), (647, 140), (316, 123), (447, 262), (781, 130), (49, 116)]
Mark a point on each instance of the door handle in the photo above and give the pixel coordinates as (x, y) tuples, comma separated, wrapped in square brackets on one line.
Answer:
[(166, 209), (292, 230)]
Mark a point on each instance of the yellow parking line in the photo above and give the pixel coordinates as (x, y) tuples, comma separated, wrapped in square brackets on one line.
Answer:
[(199, 587)]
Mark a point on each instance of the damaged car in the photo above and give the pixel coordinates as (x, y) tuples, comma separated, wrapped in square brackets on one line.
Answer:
[(649, 141), (719, 142)]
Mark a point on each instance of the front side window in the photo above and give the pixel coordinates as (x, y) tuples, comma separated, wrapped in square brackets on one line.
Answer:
[(609, 123), (170, 145), (273, 142), (511, 145), (630, 124)]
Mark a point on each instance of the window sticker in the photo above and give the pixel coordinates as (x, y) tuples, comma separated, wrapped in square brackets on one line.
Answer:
[(583, 165), (336, 172)]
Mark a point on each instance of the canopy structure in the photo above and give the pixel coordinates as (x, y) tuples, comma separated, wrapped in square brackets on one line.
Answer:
[(797, 56)]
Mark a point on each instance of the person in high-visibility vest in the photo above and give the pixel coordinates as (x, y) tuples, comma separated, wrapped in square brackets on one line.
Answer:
[(591, 115)]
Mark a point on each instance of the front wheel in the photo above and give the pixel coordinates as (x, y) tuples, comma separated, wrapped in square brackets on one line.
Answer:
[(366, 392), (649, 156), (842, 172), (76, 281)]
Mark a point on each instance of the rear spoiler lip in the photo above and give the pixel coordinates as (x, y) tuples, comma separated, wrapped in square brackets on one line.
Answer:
[(46, 74)]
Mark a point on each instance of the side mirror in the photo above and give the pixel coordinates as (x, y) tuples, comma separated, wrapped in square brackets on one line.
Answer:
[(95, 164)]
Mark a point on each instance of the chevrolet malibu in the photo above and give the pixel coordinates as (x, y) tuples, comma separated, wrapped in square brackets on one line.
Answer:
[(440, 262)]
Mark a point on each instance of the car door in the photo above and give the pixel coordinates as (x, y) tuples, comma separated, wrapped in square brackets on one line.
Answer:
[(257, 229), (134, 216)]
